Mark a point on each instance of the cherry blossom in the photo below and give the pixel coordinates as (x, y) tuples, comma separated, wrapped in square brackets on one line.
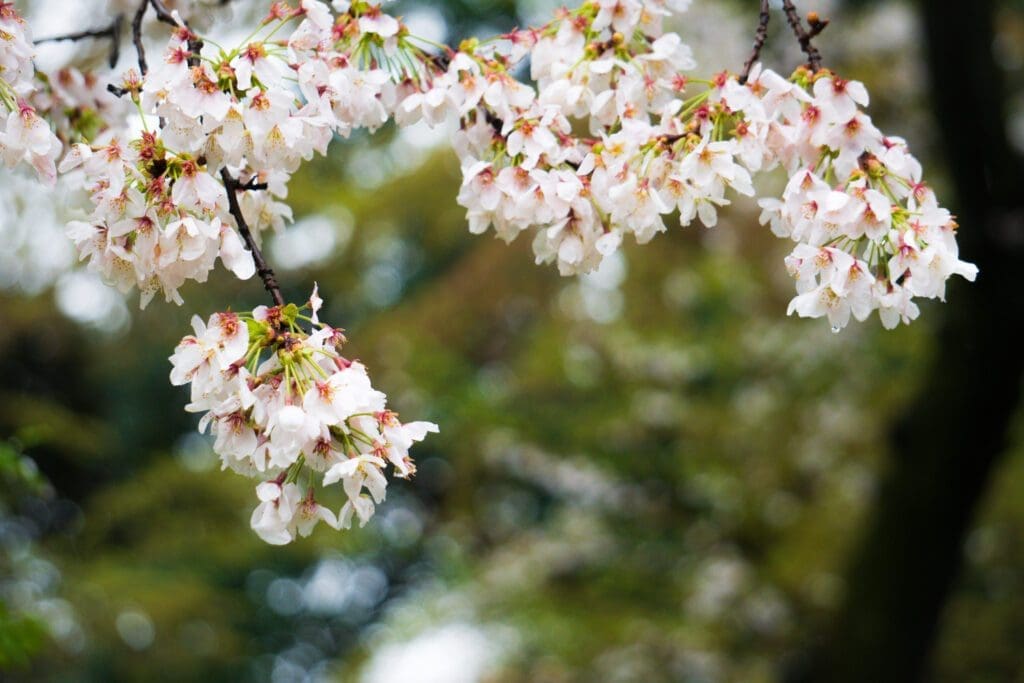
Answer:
[(25, 137), (286, 408)]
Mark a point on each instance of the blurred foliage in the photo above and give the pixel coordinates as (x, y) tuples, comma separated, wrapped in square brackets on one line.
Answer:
[(22, 634), (21, 638), (645, 475)]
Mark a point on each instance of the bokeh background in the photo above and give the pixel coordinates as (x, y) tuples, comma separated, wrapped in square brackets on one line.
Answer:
[(647, 474)]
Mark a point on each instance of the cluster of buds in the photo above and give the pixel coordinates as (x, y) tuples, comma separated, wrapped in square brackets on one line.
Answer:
[(286, 408)]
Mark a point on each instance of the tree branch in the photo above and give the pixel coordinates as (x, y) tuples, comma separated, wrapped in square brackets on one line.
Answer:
[(802, 35), (759, 37), (137, 36), (162, 13), (251, 184), (111, 32), (266, 273)]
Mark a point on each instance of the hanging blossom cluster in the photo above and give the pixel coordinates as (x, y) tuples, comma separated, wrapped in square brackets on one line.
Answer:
[(25, 137), (288, 409), (871, 235)]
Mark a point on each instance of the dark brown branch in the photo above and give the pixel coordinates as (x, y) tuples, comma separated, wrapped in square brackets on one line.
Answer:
[(266, 273), (252, 184), (137, 36), (111, 32), (802, 35), (194, 47), (759, 37), (492, 119), (163, 14)]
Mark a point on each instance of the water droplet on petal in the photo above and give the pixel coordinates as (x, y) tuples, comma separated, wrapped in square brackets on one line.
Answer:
[(836, 329)]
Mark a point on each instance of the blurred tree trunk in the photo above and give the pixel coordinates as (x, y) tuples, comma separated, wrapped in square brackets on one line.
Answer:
[(946, 446)]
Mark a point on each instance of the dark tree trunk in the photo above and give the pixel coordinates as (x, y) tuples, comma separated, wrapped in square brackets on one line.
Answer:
[(945, 447)]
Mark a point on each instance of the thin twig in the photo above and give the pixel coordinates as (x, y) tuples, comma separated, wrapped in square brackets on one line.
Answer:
[(162, 13), (266, 273), (802, 35), (137, 36), (816, 23), (759, 37), (112, 32), (252, 184)]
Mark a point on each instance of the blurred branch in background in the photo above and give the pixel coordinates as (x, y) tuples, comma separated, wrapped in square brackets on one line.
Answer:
[(112, 32), (764, 16), (952, 436)]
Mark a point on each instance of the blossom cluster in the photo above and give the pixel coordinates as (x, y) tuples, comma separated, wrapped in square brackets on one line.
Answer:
[(160, 211), (871, 235), (658, 142), (25, 137), (611, 66), (286, 408)]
